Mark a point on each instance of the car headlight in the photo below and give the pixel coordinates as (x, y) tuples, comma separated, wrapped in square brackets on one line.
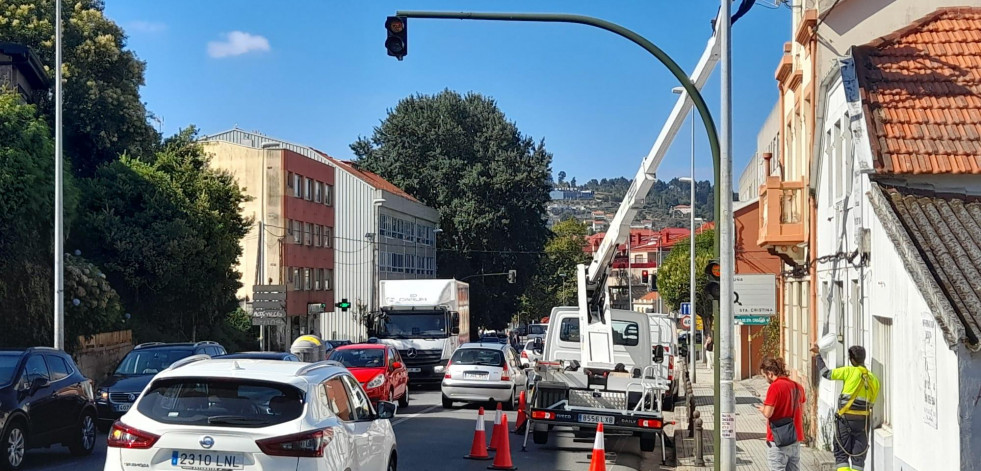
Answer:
[(377, 381), (439, 369), (102, 395)]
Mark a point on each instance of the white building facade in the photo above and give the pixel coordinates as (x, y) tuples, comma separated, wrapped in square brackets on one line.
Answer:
[(898, 255)]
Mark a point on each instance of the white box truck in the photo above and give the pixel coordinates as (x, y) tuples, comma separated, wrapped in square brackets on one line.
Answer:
[(426, 321)]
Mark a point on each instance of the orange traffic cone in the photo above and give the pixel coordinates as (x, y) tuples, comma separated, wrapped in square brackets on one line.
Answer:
[(598, 461), (478, 450), (502, 459), (519, 425), (496, 431)]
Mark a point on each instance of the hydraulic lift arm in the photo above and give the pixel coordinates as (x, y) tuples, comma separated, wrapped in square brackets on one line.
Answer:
[(596, 336)]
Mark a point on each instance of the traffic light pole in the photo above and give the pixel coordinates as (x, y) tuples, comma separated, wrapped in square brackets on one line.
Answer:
[(713, 141), (661, 56)]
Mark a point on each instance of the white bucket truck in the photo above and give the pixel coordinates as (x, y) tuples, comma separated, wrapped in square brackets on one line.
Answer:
[(426, 321)]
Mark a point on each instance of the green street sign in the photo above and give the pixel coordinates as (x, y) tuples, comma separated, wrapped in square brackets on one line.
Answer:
[(753, 320)]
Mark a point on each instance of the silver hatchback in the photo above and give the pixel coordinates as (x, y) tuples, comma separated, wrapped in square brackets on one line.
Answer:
[(483, 372)]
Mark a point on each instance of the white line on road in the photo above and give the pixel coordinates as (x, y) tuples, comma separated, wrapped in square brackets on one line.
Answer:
[(417, 414)]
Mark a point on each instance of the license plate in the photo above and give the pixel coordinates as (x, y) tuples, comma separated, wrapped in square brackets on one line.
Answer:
[(474, 375), (595, 419), (414, 370), (196, 461), (122, 407)]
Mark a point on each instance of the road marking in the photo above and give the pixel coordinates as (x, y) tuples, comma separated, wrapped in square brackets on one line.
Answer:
[(417, 414)]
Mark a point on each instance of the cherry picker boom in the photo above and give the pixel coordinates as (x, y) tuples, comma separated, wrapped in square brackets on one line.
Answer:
[(594, 299)]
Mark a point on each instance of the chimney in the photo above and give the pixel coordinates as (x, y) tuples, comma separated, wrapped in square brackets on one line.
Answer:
[(766, 163)]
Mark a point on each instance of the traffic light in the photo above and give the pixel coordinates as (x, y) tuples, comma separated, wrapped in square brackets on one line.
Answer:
[(712, 271), (344, 305), (645, 277), (397, 42), (512, 276)]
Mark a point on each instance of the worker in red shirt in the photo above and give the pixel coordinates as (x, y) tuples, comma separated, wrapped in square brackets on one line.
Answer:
[(784, 413)]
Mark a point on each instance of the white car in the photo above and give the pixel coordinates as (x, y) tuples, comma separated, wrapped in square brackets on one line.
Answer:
[(251, 415), (528, 355), (483, 372)]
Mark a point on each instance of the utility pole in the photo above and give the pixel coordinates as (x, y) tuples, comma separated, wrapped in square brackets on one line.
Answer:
[(727, 429), (59, 223)]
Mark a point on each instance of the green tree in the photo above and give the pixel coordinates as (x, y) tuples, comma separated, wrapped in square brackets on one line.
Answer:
[(673, 275), (554, 284), (103, 114), (460, 155), (561, 177), (167, 234), (26, 226)]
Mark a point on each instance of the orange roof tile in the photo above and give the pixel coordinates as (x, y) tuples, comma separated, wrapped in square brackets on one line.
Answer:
[(921, 93), (372, 178)]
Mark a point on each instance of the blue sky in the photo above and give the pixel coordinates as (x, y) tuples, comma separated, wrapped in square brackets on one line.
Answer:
[(316, 72)]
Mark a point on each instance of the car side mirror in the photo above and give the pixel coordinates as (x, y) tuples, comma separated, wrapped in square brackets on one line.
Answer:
[(38, 383), (455, 319), (387, 410), (658, 354), (455, 330), (396, 364)]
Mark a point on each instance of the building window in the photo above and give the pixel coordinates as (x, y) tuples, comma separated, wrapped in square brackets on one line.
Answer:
[(318, 275), (297, 186), (318, 189), (410, 263), (289, 180), (308, 183), (410, 232), (881, 366), (317, 238), (289, 227), (297, 231), (308, 234), (328, 195), (307, 279), (328, 279), (297, 280), (328, 237)]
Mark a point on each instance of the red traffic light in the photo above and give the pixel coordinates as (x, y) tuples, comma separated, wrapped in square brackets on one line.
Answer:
[(713, 270), (645, 276), (395, 24)]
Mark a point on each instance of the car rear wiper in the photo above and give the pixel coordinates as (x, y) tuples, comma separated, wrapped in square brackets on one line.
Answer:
[(234, 420)]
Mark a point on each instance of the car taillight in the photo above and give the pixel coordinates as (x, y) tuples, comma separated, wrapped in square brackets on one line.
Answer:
[(542, 415), (303, 445), (524, 354), (649, 423), (124, 436)]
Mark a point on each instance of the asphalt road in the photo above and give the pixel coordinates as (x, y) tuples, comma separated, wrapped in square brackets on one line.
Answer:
[(431, 438)]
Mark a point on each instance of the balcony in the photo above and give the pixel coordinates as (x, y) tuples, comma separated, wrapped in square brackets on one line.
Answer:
[(782, 213)]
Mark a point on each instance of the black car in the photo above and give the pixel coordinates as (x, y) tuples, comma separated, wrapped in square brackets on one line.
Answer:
[(118, 392), (44, 400), (283, 356)]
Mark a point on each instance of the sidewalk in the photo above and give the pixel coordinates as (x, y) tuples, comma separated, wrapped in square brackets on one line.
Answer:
[(750, 428)]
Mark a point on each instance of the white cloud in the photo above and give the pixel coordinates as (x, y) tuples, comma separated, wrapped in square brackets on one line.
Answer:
[(237, 43), (146, 26)]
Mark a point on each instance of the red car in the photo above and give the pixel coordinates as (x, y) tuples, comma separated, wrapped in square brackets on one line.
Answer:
[(378, 368)]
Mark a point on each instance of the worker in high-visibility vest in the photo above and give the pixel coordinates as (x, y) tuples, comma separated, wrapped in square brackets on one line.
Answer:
[(853, 419)]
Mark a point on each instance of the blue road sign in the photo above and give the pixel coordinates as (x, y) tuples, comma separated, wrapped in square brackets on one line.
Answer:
[(686, 309)]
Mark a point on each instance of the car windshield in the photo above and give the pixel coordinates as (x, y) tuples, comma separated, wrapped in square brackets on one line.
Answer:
[(8, 367), (408, 325), (221, 402), (151, 361), (478, 356), (536, 330), (359, 357)]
